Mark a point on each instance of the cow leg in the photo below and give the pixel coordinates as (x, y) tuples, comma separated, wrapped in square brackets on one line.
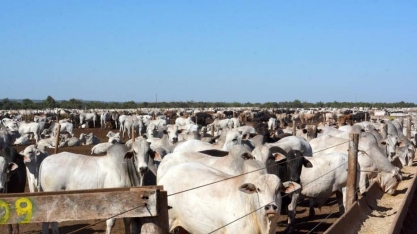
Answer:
[(311, 213), (339, 198), (54, 227), (127, 222), (292, 212), (109, 225)]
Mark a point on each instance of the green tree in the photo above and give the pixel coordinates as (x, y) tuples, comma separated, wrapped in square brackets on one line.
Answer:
[(49, 102)]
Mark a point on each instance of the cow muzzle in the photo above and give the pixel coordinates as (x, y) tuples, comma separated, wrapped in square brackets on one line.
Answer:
[(271, 211), (143, 170)]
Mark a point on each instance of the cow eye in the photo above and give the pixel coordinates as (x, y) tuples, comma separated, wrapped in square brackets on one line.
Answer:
[(258, 189)]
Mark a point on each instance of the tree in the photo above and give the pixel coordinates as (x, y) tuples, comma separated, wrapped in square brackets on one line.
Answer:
[(28, 104), (49, 102)]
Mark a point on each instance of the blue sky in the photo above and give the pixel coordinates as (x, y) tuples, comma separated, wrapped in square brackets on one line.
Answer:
[(244, 51)]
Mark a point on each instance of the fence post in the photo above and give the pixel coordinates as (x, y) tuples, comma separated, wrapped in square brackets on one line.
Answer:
[(133, 133), (160, 224), (294, 128), (351, 195), (366, 116), (409, 127), (58, 132)]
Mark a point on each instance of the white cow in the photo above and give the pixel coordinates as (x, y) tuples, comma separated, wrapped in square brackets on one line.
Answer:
[(87, 117), (89, 139), (33, 157), (114, 137), (232, 138), (104, 118), (372, 162), (27, 128), (233, 200), (272, 123), (231, 162), (322, 176), (22, 140), (102, 148), (294, 143), (108, 171)]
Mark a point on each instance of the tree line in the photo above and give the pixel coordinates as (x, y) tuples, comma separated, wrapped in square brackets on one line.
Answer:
[(50, 102)]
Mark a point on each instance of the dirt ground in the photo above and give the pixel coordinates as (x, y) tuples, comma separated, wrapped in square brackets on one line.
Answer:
[(324, 217)]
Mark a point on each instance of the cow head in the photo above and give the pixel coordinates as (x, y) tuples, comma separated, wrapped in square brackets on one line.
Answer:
[(173, 132), (263, 194), (140, 153), (388, 181), (6, 167)]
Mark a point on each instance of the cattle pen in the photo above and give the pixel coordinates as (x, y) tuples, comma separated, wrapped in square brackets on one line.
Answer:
[(326, 219)]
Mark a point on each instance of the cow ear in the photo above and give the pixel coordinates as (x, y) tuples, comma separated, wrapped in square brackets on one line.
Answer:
[(12, 166), (155, 155), (290, 187), (129, 154), (307, 163), (26, 159), (248, 188), (278, 157)]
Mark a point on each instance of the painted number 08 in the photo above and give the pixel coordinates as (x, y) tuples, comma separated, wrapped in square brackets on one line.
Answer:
[(23, 207)]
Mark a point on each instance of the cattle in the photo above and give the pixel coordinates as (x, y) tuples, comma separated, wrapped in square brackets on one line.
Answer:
[(323, 176), (122, 119), (12, 176), (27, 128), (372, 162), (89, 139), (308, 132), (232, 138), (88, 117), (115, 117), (114, 137), (104, 119), (288, 169), (65, 127), (220, 124), (293, 143), (272, 123), (229, 162), (102, 148), (69, 141), (133, 122), (258, 192), (181, 121), (7, 138), (33, 157), (109, 171), (22, 140), (236, 122)]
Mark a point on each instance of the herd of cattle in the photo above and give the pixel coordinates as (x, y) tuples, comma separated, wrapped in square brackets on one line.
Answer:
[(217, 167)]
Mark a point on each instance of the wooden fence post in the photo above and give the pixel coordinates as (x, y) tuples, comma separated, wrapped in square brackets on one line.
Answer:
[(212, 129), (409, 127), (158, 225), (294, 128), (133, 133), (351, 195), (58, 132)]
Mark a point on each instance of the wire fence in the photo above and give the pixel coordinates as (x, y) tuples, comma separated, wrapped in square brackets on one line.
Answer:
[(260, 169)]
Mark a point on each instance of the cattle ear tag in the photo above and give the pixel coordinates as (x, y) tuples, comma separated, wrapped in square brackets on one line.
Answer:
[(278, 157), (247, 188), (290, 187), (129, 154), (12, 166)]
